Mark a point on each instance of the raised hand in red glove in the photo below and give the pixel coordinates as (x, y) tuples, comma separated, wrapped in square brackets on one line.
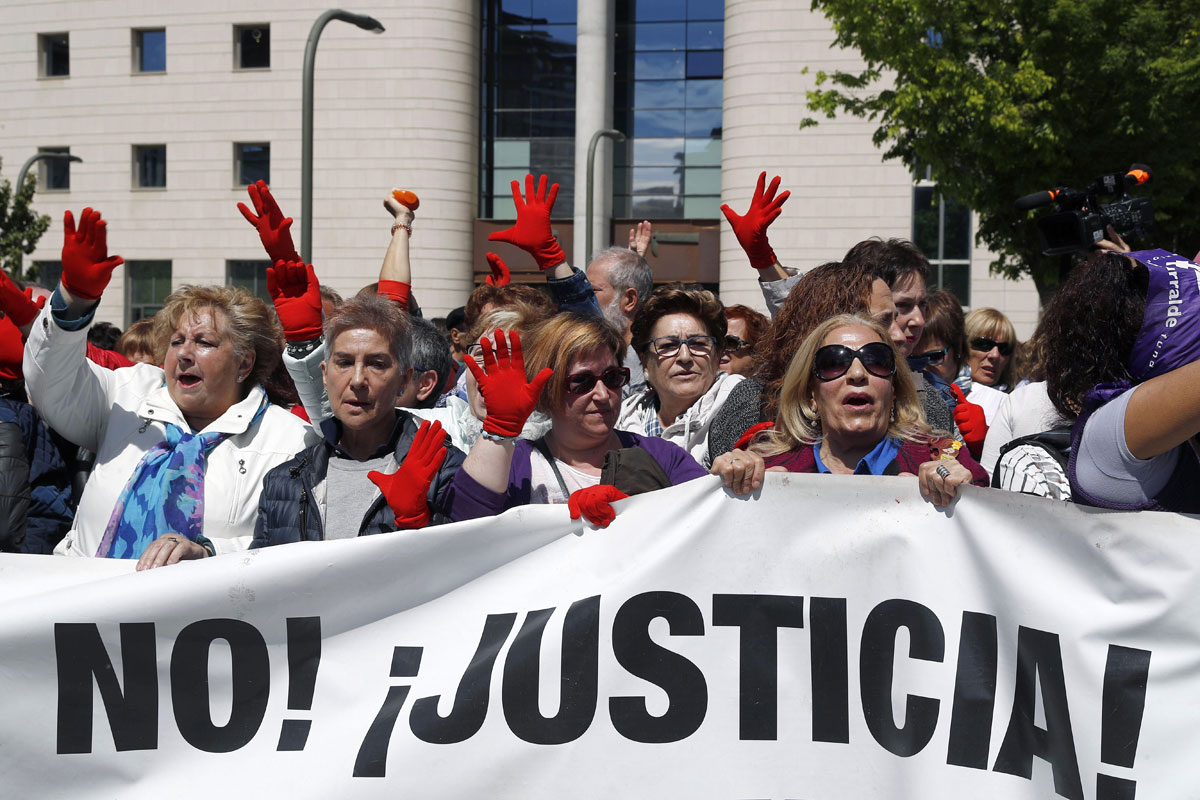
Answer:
[(748, 436), (508, 397), (17, 304), (297, 296), (971, 422), (274, 229), (500, 275), (594, 503), (532, 232), (751, 229), (407, 488), (87, 267)]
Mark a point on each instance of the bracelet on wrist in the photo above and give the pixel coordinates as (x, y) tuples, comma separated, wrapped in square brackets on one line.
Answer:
[(496, 437), (400, 225), (305, 348)]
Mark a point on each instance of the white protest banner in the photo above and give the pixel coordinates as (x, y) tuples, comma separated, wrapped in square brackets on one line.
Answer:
[(830, 638)]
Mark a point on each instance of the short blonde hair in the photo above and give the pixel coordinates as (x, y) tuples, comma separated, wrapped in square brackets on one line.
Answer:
[(992, 324), (252, 324), (797, 422), (558, 340)]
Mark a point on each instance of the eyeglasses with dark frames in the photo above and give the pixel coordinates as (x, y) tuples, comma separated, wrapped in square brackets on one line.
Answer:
[(583, 382), (931, 358), (668, 346), (834, 360), (984, 345), (735, 343)]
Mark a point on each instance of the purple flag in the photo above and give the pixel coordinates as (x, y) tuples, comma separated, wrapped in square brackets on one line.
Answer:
[(1170, 334)]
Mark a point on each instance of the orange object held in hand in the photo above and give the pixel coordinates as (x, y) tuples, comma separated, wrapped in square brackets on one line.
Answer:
[(407, 198)]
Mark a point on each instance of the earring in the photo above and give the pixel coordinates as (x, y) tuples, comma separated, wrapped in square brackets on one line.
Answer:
[(241, 378), (893, 414)]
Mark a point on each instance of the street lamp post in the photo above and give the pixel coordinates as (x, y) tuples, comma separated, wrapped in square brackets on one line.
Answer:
[(29, 162), (616, 136), (310, 59)]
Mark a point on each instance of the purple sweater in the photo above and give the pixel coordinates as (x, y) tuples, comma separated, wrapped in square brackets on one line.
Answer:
[(471, 500)]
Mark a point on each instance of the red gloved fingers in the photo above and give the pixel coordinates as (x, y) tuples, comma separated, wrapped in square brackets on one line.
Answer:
[(500, 273), (407, 488), (87, 267), (294, 288), (17, 304), (532, 232), (751, 228), (957, 391), (749, 435), (40, 302), (971, 421), (274, 229), (594, 503), (509, 398)]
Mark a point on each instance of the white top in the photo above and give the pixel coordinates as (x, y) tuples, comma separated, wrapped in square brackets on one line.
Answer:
[(120, 414), (987, 397), (1024, 411), (544, 486)]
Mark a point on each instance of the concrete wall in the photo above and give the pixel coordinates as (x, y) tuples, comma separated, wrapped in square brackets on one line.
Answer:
[(395, 109)]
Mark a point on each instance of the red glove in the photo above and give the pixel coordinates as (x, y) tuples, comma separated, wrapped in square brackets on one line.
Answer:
[(398, 292), (532, 231), (274, 229), (751, 230), (17, 304), (87, 267), (406, 489), (971, 422), (509, 399), (500, 275), (12, 350), (594, 503), (749, 435), (297, 296)]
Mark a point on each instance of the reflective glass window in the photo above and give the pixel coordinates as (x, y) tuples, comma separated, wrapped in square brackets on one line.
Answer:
[(660, 36), (659, 65)]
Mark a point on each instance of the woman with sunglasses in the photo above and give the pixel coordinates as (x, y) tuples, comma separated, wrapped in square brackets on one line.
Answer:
[(571, 372), (941, 355), (991, 345), (845, 408), (679, 334)]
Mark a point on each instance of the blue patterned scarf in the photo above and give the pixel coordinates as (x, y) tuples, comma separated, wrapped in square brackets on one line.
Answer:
[(165, 493)]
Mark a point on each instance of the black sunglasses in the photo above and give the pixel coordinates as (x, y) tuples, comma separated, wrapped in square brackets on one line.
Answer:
[(984, 344), (734, 342), (833, 360), (583, 382), (931, 357)]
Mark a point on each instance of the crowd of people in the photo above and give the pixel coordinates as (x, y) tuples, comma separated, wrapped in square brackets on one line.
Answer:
[(226, 422)]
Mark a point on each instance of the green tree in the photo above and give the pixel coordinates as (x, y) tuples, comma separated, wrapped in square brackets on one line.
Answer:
[(1001, 98), (20, 226)]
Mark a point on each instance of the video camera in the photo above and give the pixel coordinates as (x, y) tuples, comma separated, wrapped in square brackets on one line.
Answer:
[(1083, 218)]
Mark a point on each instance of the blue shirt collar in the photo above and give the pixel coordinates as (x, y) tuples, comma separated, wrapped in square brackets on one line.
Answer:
[(873, 463)]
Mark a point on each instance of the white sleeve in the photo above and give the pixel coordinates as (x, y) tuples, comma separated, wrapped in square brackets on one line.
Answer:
[(306, 374), (775, 292), (1104, 467), (73, 395)]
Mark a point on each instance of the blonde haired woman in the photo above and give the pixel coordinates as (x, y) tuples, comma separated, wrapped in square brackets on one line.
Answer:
[(846, 409)]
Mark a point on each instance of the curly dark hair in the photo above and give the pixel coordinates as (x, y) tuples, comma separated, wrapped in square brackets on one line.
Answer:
[(825, 291), (1089, 328), (679, 298)]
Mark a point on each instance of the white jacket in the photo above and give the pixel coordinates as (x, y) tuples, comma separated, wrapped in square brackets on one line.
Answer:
[(119, 414), (690, 429)]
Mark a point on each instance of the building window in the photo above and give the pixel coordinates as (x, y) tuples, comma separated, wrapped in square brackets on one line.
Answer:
[(149, 166), (150, 50), (54, 174), (45, 273), (941, 228), (251, 46), (249, 275), (251, 162), (54, 55), (528, 114), (147, 284), (667, 100)]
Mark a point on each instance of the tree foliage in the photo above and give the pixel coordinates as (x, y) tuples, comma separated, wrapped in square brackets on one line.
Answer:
[(1001, 98), (20, 226)]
